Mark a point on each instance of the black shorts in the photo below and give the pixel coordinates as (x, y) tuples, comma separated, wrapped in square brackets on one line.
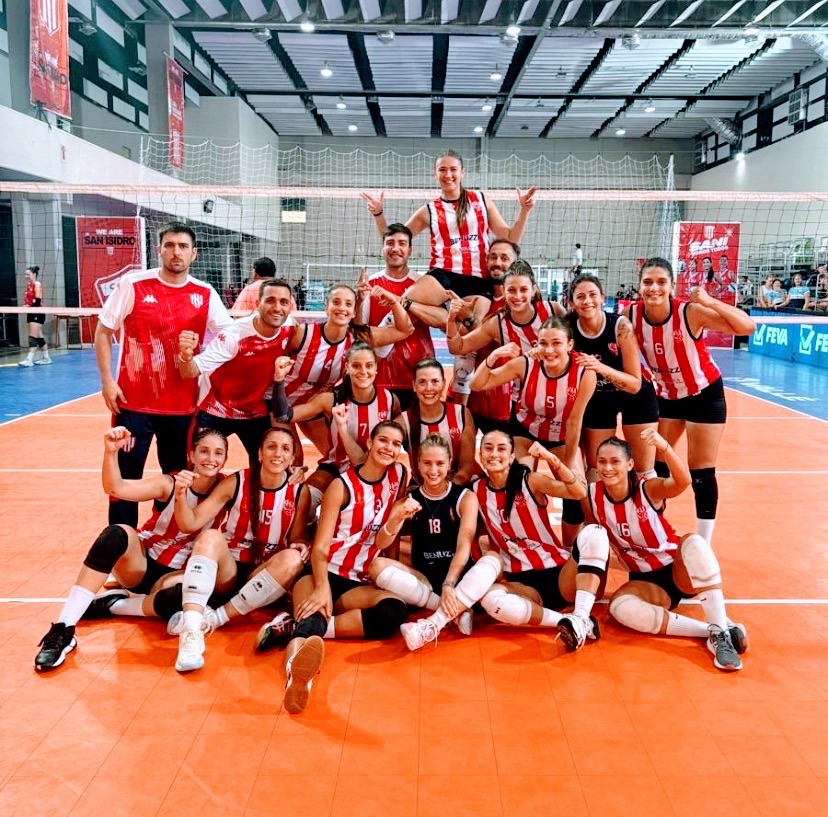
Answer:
[(487, 424), (516, 429), (545, 582), (328, 468), (243, 571), (463, 285), (340, 585), (436, 571), (155, 571), (708, 406), (405, 396), (636, 409), (31, 318), (663, 578)]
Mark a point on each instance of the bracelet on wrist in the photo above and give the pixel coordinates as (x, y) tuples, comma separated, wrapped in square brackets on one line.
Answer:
[(488, 365), (377, 215), (448, 583), (389, 531)]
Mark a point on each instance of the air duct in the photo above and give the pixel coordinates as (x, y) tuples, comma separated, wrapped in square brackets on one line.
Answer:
[(818, 43), (724, 128)]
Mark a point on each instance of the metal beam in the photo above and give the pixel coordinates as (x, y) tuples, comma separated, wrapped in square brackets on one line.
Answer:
[(436, 92), (439, 65), (609, 9), (356, 42)]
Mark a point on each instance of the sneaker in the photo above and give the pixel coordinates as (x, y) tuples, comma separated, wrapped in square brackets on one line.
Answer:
[(301, 670), (209, 622), (44, 361), (54, 646), (739, 637), (27, 363), (417, 633), (190, 651), (575, 630), (101, 605), (725, 656), (275, 633), (464, 623)]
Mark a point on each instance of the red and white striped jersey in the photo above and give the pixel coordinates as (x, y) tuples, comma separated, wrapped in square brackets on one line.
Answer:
[(318, 365), (545, 403), (396, 371), (641, 537), (680, 363), (161, 537), (237, 369), (524, 335), (450, 426), (277, 510), (463, 247), (30, 295), (366, 510), (362, 417), (150, 315), (495, 403), (525, 540)]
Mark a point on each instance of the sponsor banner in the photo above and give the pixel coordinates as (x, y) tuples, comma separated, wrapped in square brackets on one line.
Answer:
[(49, 56), (802, 342), (107, 248), (175, 110), (706, 254)]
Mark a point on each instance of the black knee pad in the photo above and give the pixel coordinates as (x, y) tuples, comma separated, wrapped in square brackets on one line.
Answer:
[(662, 469), (573, 513), (314, 624), (706, 491), (384, 618), (41, 342), (168, 601), (32, 342), (110, 545)]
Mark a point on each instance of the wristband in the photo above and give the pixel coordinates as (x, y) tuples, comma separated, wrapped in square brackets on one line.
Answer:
[(388, 530), (488, 365), (406, 303), (377, 215), (447, 583), (468, 322)]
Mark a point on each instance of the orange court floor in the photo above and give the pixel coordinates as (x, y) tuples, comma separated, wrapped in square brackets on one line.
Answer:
[(499, 724)]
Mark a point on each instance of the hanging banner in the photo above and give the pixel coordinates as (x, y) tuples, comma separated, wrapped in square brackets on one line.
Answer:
[(107, 248), (706, 255), (175, 108), (49, 56)]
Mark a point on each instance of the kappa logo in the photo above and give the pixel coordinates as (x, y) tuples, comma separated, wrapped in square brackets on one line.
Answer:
[(149, 299), (197, 300)]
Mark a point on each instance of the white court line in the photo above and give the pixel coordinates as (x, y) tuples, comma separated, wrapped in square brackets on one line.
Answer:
[(773, 403), (781, 417), (787, 473), (43, 411), (106, 416)]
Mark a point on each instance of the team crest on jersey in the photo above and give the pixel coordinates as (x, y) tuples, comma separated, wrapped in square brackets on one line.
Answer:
[(571, 392), (289, 506), (197, 300), (613, 347), (641, 512), (221, 337), (678, 335)]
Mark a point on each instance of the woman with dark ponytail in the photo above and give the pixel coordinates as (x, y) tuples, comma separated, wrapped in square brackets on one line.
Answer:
[(33, 296)]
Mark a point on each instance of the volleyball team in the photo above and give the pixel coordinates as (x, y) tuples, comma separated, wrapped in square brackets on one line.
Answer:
[(360, 545)]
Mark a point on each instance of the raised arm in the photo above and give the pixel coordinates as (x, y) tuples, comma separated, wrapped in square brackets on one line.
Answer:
[(402, 328), (661, 488), (157, 486), (465, 461), (496, 222), (563, 483), (339, 415), (478, 338), (192, 519), (576, 417), (486, 376), (707, 312)]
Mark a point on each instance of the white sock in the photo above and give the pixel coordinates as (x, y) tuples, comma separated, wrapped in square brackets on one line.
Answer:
[(704, 528), (132, 606), (439, 619), (76, 605), (408, 587), (331, 631), (262, 589), (199, 581), (191, 619), (583, 603), (684, 625), (712, 602), (550, 618), (478, 580), (221, 617)]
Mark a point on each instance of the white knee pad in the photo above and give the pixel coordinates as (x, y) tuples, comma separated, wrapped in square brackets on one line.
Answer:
[(700, 561), (405, 585), (507, 607), (593, 547), (637, 614), (476, 583)]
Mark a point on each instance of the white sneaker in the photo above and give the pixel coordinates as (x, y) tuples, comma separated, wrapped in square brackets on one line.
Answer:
[(190, 651), (575, 630), (27, 363), (417, 633), (44, 361), (209, 623), (301, 670)]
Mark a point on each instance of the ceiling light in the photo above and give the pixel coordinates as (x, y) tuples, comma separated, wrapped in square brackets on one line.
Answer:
[(620, 132), (386, 35), (307, 26), (631, 41), (478, 129), (326, 71), (87, 29), (649, 107), (513, 30), (496, 75), (341, 104), (262, 34), (138, 69), (753, 35), (353, 128), (508, 39), (740, 156), (486, 106)]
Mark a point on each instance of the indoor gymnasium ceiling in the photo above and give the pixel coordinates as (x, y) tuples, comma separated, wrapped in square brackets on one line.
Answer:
[(581, 69)]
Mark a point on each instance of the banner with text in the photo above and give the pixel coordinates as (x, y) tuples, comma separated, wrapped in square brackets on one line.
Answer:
[(707, 255), (49, 56), (107, 248), (175, 107)]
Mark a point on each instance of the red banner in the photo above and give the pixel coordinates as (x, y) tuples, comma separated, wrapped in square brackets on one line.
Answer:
[(49, 56), (707, 255), (175, 106), (107, 248)]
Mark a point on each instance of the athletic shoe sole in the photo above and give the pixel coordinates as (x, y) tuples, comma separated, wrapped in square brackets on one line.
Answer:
[(739, 638), (101, 606), (303, 668), (61, 658), (730, 667)]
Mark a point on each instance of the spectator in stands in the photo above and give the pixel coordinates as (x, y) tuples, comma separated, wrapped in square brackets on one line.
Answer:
[(248, 299), (300, 295), (777, 297), (744, 294), (819, 281), (763, 295), (799, 295), (576, 261)]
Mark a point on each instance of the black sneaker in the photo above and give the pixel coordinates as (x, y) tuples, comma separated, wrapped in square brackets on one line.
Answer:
[(101, 606), (739, 638), (54, 645), (275, 633), (574, 630)]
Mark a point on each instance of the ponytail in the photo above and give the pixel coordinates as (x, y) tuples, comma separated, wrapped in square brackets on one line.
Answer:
[(514, 483)]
